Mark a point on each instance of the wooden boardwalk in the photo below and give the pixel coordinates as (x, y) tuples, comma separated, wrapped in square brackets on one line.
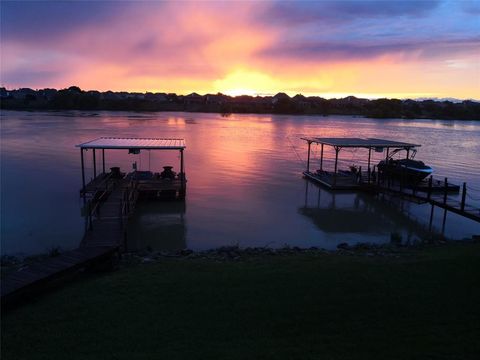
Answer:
[(35, 277), (435, 196), (435, 192), (106, 221), (106, 224)]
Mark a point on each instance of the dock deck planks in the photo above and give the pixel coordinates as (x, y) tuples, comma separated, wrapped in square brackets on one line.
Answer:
[(33, 277)]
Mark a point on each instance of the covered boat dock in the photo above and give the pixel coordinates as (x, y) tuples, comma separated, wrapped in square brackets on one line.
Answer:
[(431, 191), (347, 179), (149, 184)]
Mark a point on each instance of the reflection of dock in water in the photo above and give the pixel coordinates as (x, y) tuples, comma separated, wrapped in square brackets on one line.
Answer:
[(353, 212), (158, 227)]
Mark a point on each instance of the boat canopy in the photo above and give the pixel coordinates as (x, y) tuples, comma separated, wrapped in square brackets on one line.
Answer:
[(134, 143), (360, 143)]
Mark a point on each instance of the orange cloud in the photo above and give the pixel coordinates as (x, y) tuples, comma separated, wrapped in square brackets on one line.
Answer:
[(240, 47)]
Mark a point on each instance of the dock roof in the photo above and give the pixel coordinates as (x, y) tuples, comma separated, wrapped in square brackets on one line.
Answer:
[(358, 142), (133, 143)]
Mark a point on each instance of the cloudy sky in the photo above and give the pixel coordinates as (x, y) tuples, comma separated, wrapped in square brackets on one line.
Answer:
[(327, 48)]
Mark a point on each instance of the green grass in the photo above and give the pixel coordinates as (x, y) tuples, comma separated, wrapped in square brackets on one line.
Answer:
[(424, 306)]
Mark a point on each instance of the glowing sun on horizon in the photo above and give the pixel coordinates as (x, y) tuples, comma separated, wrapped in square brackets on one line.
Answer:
[(244, 82)]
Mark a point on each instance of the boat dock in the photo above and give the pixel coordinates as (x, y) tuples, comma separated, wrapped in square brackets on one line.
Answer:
[(436, 192), (109, 200)]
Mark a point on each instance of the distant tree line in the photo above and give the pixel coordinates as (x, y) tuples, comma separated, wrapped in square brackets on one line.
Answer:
[(74, 98)]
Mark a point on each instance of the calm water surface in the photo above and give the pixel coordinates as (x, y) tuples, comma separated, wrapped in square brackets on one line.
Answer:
[(244, 180)]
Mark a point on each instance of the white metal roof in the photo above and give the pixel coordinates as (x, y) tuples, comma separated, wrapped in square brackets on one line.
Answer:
[(358, 142), (133, 143)]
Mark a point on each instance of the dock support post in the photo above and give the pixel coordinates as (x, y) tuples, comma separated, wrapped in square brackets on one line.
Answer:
[(464, 193), (321, 159), (83, 171), (431, 218), (308, 157), (103, 160), (306, 193), (369, 157), (94, 165), (318, 200), (387, 172), (337, 149), (181, 161), (445, 204), (182, 179), (445, 192), (444, 220), (430, 181)]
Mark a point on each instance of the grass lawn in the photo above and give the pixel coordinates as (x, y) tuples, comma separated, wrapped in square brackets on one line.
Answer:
[(303, 306)]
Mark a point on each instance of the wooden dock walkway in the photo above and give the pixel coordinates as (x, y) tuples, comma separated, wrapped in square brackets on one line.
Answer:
[(106, 220), (106, 224), (34, 277), (433, 191), (437, 196)]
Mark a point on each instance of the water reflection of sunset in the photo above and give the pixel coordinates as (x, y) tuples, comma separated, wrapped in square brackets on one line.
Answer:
[(244, 172)]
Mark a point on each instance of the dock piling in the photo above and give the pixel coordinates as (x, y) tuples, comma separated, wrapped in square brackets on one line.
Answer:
[(464, 194), (369, 157), (94, 165), (321, 158), (431, 218), (83, 170), (445, 193), (103, 160), (430, 183), (308, 157)]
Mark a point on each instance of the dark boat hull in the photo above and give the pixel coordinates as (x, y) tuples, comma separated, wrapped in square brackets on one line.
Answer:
[(407, 171)]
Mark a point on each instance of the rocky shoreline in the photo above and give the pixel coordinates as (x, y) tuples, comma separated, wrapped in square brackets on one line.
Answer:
[(237, 253)]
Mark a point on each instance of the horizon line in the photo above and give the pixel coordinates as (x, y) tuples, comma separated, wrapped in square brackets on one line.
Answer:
[(260, 94)]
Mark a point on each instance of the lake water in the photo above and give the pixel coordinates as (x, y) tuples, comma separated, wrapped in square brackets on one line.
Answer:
[(245, 184)]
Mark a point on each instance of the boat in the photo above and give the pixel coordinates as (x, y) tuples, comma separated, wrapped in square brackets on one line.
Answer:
[(407, 170)]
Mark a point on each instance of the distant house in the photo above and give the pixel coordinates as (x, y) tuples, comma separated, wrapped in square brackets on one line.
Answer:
[(217, 99), (47, 94), (193, 98), (22, 93), (136, 95), (4, 93), (301, 101), (280, 97), (110, 95), (157, 97)]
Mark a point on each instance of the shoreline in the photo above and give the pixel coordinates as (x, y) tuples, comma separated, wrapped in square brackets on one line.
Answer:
[(94, 113), (11, 263), (299, 306)]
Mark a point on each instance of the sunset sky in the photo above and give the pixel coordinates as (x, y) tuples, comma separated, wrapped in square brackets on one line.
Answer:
[(331, 49)]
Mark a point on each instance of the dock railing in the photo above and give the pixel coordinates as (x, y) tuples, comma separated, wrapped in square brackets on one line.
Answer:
[(436, 192), (129, 200), (92, 206)]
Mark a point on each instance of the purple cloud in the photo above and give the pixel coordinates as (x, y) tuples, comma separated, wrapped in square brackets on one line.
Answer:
[(346, 51), (302, 12)]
